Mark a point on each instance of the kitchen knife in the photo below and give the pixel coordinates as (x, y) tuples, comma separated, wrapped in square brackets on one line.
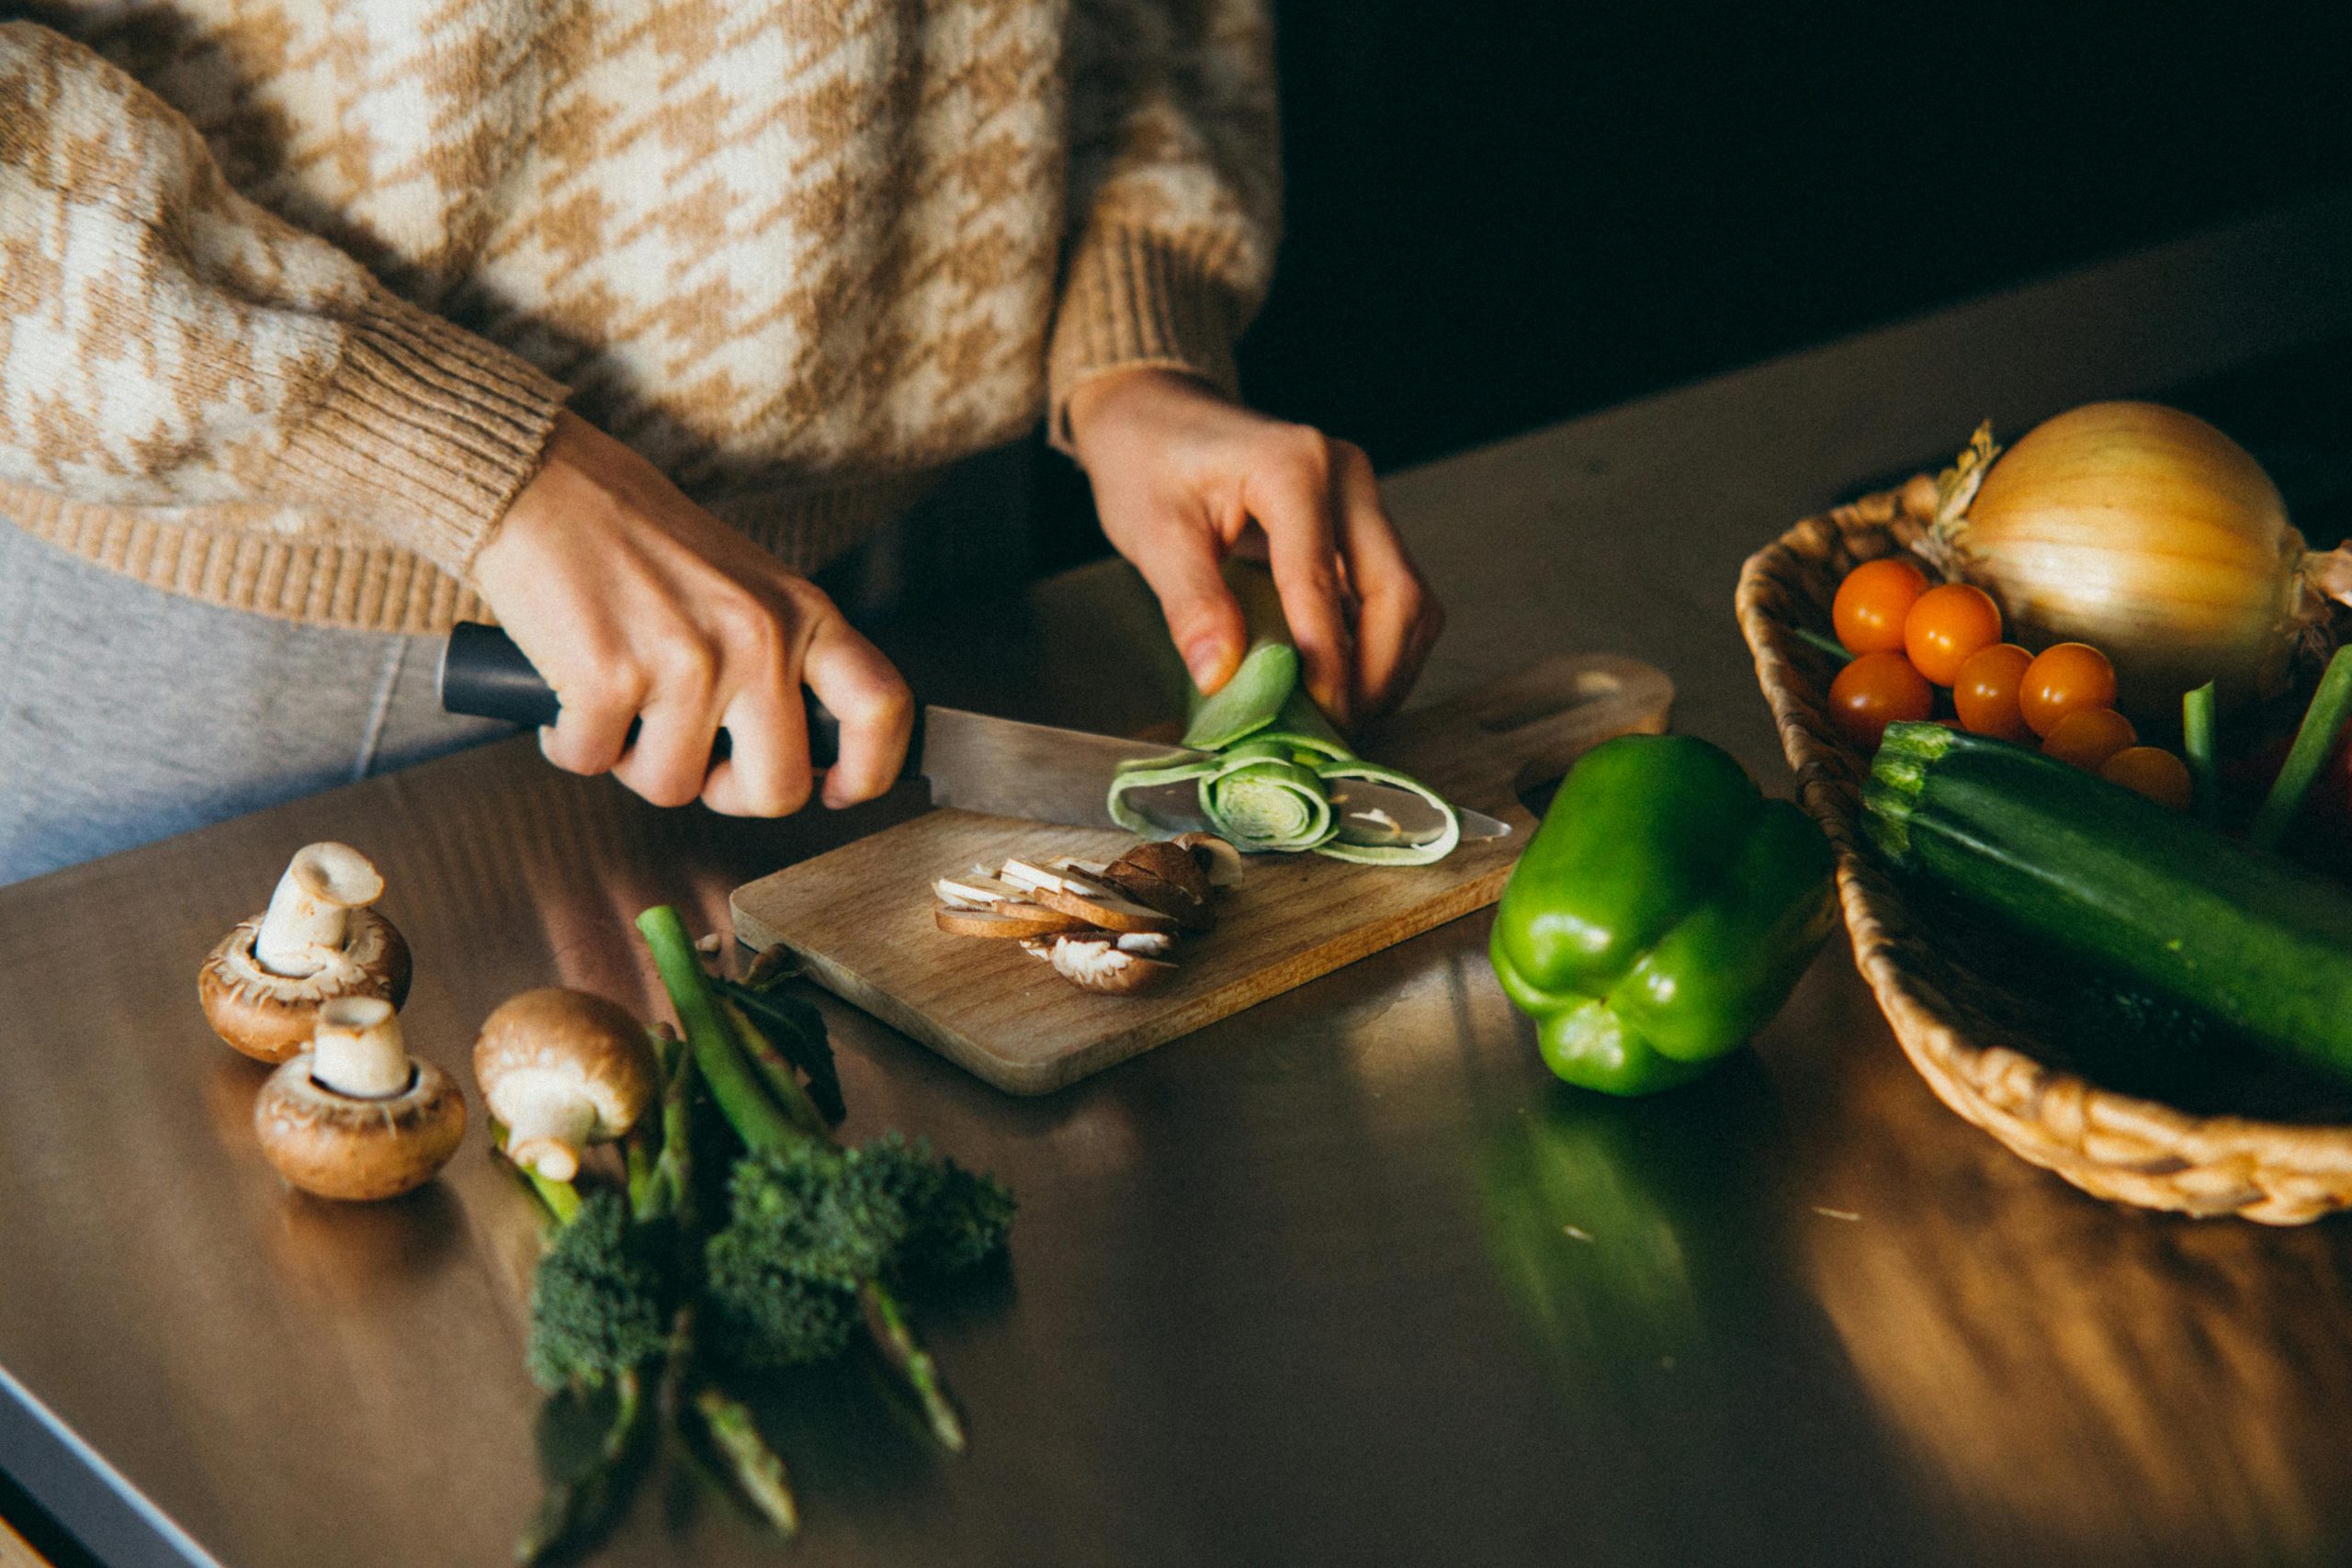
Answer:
[(999, 766)]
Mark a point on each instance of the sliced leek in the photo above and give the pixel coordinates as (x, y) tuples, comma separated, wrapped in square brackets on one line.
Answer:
[(1269, 783)]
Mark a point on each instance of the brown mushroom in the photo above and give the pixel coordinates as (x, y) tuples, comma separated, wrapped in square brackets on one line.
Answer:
[(1172, 864), (563, 1070), (1162, 876), (1218, 860), (263, 984), (356, 1117), (1101, 963)]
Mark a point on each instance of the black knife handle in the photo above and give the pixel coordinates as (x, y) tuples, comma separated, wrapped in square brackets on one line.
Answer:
[(484, 674)]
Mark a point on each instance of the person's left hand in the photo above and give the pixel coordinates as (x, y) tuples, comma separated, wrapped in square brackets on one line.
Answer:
[(1184, 477)]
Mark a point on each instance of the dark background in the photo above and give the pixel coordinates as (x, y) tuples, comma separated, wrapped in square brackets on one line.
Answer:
[(1500, 215)]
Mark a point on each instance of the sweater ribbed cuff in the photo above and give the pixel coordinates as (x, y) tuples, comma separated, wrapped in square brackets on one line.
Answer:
[(1135, 300), (424, 430)]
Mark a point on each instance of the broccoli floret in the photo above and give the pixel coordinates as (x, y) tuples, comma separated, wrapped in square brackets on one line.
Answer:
[(761, 1315), (596, 1304), (783, 1275), (812, 1211), (951, 1219), (810, 1224), (967, 1223)]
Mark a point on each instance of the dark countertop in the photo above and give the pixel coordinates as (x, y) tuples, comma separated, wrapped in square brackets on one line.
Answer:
[(1346, 1278)]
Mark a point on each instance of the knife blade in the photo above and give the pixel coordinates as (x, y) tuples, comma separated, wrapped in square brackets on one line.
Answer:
[(1003, 767)]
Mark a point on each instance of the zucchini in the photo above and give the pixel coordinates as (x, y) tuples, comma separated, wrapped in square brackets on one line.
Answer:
[(2102, 873)]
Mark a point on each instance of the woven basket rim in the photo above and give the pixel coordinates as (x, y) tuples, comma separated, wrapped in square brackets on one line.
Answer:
[(2111, 1143)]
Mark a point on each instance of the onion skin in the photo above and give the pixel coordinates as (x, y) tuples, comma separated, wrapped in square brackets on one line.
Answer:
[(2151, 536)]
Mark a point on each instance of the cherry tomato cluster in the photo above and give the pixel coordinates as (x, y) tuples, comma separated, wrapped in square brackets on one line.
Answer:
[(1907, 639)]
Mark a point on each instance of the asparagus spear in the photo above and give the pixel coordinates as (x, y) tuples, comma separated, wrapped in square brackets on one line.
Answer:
[(768, 1128)]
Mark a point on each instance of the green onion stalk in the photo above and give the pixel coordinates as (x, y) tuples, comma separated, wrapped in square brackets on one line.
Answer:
[(2315, 741), (1267, 780), (773, 1114), (2196, 728)]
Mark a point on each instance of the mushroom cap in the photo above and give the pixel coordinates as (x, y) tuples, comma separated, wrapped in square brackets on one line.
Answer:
[(340, 1146), (581, 1041), (1217, 858), (270, 1017), (1170, 863), (1162, 877)]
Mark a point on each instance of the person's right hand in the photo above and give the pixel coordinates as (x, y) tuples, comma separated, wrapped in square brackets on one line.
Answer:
[(636, 603)]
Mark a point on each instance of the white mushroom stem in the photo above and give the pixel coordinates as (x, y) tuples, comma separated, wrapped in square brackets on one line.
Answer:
[(357, 1050), (309, 915), (548, 1121)]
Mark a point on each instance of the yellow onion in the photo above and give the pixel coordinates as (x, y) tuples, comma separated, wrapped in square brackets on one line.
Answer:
[(2149, 535)]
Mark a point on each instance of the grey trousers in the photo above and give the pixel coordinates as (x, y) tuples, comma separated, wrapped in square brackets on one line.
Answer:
[(128, 714)]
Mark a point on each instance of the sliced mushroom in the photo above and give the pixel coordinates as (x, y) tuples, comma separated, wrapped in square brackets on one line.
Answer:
[(1147, 944), (563, 1070), (1005, 920), (1098, 963), (357, 1118), (975, 892), (262, 985), (1096, 903), (1029, 877)]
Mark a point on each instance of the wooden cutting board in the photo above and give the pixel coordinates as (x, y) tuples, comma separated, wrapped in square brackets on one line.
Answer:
[(859, 917)]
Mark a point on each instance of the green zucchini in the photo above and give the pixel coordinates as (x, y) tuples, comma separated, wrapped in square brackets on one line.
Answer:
[(2100, 871)]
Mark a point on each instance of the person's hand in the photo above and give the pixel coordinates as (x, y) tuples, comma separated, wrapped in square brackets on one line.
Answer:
[(636, 603), (1182, 476)]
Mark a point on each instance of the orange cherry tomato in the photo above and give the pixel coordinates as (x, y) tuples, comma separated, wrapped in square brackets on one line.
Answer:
[(2088, 736), (2066, 677), (2153, 770), (1871, 604), (1873, 693), (1986, 696), (1946, 625)]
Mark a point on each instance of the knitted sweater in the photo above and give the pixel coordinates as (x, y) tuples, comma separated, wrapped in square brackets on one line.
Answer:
[(291, 292)]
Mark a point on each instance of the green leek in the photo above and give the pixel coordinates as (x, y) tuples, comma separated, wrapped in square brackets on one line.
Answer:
[(1266, 786)]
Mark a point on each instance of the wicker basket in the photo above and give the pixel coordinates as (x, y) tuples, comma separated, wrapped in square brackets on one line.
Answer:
[(2279, 1167)]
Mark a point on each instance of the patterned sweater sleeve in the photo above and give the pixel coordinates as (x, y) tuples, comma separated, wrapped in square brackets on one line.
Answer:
[(1175, 190), (165, 341)]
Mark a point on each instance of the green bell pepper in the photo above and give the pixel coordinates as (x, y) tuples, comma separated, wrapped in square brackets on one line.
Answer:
[(1662, 914)]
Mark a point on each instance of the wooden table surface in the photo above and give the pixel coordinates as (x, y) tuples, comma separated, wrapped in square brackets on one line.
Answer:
[(1345, 1278)]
